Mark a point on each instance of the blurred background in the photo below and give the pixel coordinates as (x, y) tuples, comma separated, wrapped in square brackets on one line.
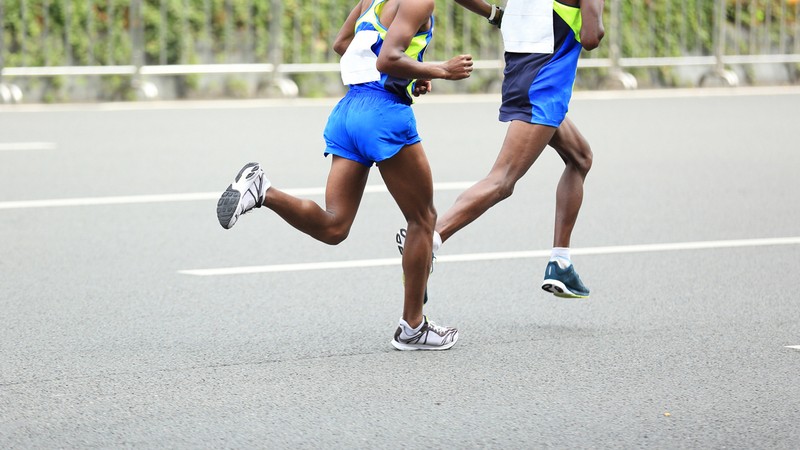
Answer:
[(106, 50)]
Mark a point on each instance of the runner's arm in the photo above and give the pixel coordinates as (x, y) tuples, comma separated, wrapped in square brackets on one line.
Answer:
[(592, 30), (479, 7), (347, 31), (412, 15)]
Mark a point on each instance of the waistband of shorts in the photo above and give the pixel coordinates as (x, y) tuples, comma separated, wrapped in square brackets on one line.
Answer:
[(361, 89)]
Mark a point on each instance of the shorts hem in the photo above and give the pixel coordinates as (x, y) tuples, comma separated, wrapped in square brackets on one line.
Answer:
[(398, 150), (349, 156), (508, 117)]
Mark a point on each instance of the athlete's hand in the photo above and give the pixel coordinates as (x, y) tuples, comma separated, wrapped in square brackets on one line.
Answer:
[(421, 87), (458, 68)]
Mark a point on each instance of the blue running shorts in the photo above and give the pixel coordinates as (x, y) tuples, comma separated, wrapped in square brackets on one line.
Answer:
[(537, 87), (369, 125)]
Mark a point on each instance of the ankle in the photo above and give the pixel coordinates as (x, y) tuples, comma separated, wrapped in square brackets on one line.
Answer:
[(408, 328)]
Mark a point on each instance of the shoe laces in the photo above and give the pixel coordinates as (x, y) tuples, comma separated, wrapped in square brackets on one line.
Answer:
[(254, 190), (438, 329)]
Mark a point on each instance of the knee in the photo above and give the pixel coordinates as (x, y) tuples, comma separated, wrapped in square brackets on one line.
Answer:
[(431, 217), (335, 235), (502, 189), (573, 148), (428, 218), (585, 163), (583, 158), (425, 219)]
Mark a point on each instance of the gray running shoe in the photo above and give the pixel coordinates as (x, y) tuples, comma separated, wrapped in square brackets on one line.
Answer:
[(245, 193), (429, 337)]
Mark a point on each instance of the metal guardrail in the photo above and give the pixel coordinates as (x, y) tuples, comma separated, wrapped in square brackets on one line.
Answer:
[(143, 39)]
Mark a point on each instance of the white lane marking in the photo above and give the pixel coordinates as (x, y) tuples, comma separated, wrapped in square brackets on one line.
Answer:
[(162, 198), (494, 256), (12, 146), (293, 267), (795, 347), (700, 245), (94, 201)]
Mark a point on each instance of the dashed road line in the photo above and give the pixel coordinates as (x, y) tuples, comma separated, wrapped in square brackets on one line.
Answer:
[(26, 146)]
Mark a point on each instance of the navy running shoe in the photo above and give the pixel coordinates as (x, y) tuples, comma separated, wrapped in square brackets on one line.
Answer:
[(563, 282)]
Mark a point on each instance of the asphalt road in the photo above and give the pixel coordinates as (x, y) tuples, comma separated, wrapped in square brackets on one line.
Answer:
[(122, 328)]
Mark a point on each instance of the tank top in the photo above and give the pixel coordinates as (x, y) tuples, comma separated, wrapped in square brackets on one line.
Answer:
[(528, 24), (358, 64)]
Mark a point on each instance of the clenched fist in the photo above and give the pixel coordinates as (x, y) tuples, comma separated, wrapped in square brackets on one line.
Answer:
[(458, 68)]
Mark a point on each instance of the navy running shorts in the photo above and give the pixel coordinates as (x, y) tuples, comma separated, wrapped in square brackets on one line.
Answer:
[(537, 87)]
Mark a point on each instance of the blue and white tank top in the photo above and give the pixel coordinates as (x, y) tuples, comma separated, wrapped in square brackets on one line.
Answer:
[(358, 64)]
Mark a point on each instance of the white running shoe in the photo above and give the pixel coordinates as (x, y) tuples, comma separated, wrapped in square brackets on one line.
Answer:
[(429, 337), (245, 193)]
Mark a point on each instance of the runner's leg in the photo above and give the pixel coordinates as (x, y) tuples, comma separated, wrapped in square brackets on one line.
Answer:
[(523, 144), (577, 155), (343, 192), (408, 177)]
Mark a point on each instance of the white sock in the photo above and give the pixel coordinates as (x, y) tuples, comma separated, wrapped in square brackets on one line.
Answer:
[(437, 241), (561, 256), (408, 330)]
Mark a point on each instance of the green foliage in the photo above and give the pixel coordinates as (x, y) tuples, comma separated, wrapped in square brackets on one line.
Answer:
[(101, 32)]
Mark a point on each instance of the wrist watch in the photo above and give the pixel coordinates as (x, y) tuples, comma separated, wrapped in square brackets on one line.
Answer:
[(496, 16)]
